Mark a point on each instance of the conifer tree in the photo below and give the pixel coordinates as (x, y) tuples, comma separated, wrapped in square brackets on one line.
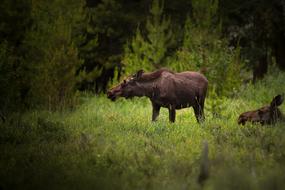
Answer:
[(15, 18), (203, 48), (52, 59), (107, 27), (149, 51), (159, 34)]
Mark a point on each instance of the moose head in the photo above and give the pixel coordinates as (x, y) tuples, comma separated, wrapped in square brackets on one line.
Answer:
[(128, 88), (269, 114)]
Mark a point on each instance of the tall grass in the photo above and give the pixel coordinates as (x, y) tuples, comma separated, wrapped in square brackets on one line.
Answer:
[(114, 145)]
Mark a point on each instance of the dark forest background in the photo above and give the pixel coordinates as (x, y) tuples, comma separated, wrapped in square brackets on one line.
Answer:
[(52, 49)]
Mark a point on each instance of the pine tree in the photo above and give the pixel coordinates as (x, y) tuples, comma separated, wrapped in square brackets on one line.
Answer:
[(149, 51), (107, 26), (15, 19), (52, 58), (159, 34), (204, 49)]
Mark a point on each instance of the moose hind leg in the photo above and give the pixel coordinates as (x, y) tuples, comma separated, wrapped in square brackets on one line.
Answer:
[(172, 114), (155, 111)]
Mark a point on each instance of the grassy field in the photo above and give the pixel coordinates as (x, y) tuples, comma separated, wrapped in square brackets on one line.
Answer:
[(107, 145)]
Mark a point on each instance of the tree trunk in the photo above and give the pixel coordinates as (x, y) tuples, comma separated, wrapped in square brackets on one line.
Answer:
[(261, 68), (280, 51)]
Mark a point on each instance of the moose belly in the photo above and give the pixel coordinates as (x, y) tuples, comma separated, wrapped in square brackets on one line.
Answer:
[(181, 106), (174, 102)]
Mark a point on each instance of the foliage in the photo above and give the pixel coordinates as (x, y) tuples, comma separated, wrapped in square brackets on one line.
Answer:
[(259, 27), (111, 23), (204, 49), (135, 54), (107, 145), (14, 20), (148, 51), (96, 52), (39, 56), (87, 45), (7, 64), (52, 58)]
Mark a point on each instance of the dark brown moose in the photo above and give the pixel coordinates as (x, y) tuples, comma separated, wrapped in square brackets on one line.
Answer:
[(166, 89), (269, 114)]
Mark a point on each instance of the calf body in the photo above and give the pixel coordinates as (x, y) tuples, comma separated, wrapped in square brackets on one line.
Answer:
[(269, 114), (166, 89)]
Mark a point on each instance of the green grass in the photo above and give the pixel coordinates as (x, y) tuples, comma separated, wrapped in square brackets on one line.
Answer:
[(107, 145)]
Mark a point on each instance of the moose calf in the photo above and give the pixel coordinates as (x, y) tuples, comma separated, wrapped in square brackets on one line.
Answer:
[(269, 114)]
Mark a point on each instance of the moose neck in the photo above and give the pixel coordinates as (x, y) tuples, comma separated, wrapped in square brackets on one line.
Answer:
[(145, 89)]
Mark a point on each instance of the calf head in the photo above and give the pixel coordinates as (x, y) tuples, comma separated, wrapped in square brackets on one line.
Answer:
[(128, 88), (266, 115)]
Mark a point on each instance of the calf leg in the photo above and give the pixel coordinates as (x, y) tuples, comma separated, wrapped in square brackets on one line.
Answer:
[(155, 111), (171, 114)]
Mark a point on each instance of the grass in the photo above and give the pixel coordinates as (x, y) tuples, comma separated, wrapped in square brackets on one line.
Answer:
[(107, 145)]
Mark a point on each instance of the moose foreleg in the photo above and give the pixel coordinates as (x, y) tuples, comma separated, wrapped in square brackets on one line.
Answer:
[(171, 114), (155, 111)]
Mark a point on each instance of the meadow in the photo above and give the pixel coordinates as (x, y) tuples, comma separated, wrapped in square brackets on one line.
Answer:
[(114, 145)]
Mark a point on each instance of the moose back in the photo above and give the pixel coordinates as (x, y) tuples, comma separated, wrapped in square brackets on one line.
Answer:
[(166, 89)]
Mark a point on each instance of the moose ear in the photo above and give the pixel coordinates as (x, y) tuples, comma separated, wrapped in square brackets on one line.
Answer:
[(277, 100), (139, 74)]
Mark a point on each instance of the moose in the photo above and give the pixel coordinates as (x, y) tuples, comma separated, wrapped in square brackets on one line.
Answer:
[(166, 89), (268, 114)]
